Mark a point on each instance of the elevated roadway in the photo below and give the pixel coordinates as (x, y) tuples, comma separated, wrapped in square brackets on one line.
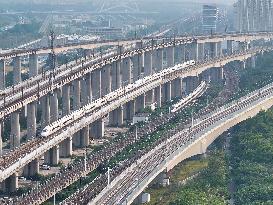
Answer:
[(21, 156), (83, 196), (37, 147), (182, 144), (242, 37), (61, 49), (78, 169), (13, 98), (16, 97)]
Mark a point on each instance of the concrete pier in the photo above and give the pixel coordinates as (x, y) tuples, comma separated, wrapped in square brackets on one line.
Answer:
[(54, 113), (106, 80), (193, 51), (158, 60), (129, 110), (126, 71), (100, 128), (31, 120), (15, 123), (120, 120), (76, 106), (219, 49), (84, 133), (97, 129), (137, 66), (17, 70), (84, 94), (15, 130), (45, 111), (158, 96), (33, 65), (166, 92), (148, 67), (66, 100), (2, 74), (32, 168), (31, 108), (76, 94), (178, 54), (177, 88), (116, 75), (140, 59), (89, 87), (66, 149), (150, 97), (183, 53), (201, 52), (66, 146), (116, 84), (213, 50), (140, 103), (116, 117), (230, 47), (1, 141), (52, 156), (113, 76), (96, 84), (10, 185), (84, 137), (170, 56)]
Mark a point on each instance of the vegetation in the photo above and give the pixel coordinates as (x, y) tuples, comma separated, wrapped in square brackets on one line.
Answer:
[(252, 154), (250, 159), (210, 186)]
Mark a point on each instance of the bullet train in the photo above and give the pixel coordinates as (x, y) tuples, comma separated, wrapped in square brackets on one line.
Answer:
[(196, 93), (97, 104)]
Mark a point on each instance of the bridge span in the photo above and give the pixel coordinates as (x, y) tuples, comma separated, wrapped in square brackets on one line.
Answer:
[(42, 84), (37, 147), (182, 144), (241, 37), (121, 69), (103, 79)]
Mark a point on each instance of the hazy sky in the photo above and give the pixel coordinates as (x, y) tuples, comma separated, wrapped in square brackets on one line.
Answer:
[(194, 1), (214, 1)]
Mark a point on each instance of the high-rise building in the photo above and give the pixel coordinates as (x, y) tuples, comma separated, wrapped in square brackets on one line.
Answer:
[(253, 15), (210, 17)]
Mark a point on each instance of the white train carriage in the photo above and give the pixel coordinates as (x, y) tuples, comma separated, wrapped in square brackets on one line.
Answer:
[(66, 120), (188, 98)]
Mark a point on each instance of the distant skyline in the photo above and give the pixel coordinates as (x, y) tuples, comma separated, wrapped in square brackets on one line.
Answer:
[(228, 2)]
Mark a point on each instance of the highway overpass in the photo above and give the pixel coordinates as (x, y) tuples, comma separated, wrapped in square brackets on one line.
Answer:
[(98, 79), (181, 145)]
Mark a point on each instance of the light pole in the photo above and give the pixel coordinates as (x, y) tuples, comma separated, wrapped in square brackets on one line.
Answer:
[(136, 133), (54, 198), (192, 119), (108, 175), (85, 161)]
